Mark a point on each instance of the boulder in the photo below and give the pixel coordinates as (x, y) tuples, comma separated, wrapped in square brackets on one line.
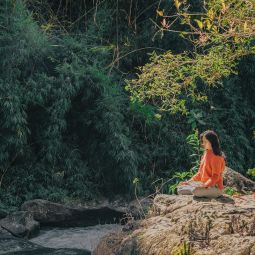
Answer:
[(20, 224), (237, 181), (54, 214), (183, 224)]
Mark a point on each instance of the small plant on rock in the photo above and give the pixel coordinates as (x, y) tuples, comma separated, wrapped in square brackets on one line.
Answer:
[(229, 191), (251, 172), (183, 249)]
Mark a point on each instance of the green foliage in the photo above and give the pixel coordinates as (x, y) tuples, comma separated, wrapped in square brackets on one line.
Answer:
[(168, 86), (193, 140), (146, 111), (170, 80), (232, 116), (229, 191), (8, 202), (62, 117), (251, 172), (195, 117), (179, 176)]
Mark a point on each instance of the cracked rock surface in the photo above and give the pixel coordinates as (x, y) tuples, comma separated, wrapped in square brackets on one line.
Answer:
[(178, 223)]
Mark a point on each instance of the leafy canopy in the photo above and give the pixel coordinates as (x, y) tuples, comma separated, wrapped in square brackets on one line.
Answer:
[(220, 35)]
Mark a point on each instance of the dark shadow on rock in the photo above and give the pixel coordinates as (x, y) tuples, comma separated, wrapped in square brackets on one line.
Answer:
[(222, 199), (225, 199), (57, 215)]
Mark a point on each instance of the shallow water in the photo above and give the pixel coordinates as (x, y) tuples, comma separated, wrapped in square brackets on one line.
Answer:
[(78, 237)]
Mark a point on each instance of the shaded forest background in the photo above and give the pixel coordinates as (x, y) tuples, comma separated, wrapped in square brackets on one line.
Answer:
[(68, 129)]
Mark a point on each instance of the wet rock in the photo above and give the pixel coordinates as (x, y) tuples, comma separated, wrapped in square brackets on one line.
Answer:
[(20, 224)]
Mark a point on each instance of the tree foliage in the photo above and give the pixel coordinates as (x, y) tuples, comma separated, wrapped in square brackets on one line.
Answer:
[(221, 34), (68, 129)]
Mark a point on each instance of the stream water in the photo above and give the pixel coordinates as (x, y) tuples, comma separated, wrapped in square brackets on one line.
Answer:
[(78, 237)]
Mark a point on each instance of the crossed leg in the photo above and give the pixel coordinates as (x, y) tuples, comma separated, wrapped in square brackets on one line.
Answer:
[(190, 189)]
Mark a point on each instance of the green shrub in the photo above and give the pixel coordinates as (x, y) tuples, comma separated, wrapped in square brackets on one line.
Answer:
[(229, 191)]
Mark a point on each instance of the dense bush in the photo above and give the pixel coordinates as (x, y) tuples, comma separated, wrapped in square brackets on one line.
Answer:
[(68, 129)]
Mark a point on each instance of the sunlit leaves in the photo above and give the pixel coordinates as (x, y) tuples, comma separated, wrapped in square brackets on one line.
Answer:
[(223, 10), (210, 14), (165, 24), (223, 34), (167, 78), (47, 27), (160, 13), (199, 23), (177, 4)]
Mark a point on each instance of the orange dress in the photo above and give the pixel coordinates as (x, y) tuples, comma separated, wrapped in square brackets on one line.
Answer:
[(211, 169)]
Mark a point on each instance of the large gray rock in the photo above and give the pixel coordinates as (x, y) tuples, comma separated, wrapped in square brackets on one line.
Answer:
[(237, 181), (20, 224), (183, 224), (54, 214)]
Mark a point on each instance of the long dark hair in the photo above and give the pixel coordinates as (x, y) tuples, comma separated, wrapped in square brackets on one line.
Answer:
[(213, 138)]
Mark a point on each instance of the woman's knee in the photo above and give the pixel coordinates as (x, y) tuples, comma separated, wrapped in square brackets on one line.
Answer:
[(211, 192)]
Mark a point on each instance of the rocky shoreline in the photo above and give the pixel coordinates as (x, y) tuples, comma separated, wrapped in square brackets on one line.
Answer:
[(18, 227), (183, 224), (172, 224)]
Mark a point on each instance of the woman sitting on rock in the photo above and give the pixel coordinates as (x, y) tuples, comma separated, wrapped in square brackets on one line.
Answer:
[(208, 181)]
